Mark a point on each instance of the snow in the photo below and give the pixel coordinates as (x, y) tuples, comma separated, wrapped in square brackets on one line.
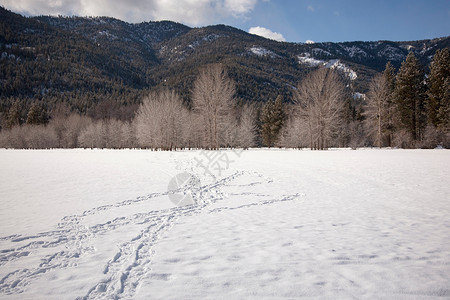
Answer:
[(319, 51), (194, 45), (358, 95), (211, 37), (306, 58), (391, 53), (260, 51), (425, 49), (107, 34), (336, 64), (408, 47), (273, 223), (354, 51)]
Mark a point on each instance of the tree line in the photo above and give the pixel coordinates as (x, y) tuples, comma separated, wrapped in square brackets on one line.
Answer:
[(406, 109), (409, 109)]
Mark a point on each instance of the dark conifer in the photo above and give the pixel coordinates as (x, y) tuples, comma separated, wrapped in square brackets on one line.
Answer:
[(37, 114), (272, 118), (389, 76), (409, 96), (438, 93)]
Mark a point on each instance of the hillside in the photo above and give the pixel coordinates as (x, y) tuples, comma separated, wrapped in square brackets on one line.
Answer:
[(85, 61)]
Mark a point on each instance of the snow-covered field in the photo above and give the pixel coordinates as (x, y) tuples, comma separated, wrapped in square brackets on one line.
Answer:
[(102, 224)]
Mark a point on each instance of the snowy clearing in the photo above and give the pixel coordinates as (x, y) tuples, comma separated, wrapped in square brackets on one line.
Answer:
[(100, 224)]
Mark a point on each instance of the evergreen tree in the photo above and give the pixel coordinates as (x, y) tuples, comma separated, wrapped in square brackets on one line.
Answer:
[(14, 115), (272, 118), (444, 109), (438, 93), (389, 78), (279, 118), (409, 96), (37, 114)]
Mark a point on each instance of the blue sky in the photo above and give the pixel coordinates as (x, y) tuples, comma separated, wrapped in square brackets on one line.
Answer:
[(292, 20), (328, 20)]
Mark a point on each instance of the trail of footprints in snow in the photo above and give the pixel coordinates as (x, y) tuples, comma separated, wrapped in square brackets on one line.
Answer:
[(132, 262)]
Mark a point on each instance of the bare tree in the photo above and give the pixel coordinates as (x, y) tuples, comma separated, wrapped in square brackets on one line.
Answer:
[(15, 137), (212, 101), (91, 136), (29, 136), (376, 110), (228, 130), (40, 137), (194, 136), (128, 131), (246, 133), (60, 113), (161, 121), (295, 134), (68, 129), (320, 104)]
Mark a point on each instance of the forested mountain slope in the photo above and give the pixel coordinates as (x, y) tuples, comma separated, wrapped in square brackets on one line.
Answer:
[(87, 61)]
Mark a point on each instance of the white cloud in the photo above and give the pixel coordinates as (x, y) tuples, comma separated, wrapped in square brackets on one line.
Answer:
[(311, 8), (310, 42), (239, 7), (190, 12), (267, 33)]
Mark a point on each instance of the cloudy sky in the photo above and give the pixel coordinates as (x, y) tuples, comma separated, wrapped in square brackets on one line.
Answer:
[(283, 20)]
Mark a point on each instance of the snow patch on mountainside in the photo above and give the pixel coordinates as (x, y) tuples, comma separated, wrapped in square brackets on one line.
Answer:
[(259, 51), (408, 47), (306, 58), (108, 35), (425, 49), (336, 64), (318, 51), (211, 37), (354, 51), (391, 53)]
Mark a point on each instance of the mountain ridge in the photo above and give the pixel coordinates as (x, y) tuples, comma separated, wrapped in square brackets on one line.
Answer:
[(87, 60)]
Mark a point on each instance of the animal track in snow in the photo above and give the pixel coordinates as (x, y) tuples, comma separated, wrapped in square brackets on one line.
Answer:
[(63, 247)]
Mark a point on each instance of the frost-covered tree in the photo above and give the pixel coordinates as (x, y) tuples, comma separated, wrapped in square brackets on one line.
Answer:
[(68, 128), (294, 134), (75, 124), (92, 136), (376, 110), (246, 133), (320, 104), (29, 137), (228, 130), (39, 137), (161, 121), (212, 102)]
